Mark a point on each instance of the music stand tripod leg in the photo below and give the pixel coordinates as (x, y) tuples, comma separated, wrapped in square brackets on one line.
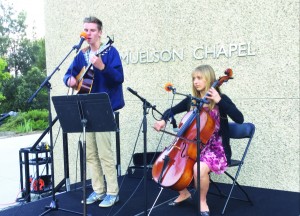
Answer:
[(53, 205), (84, 121)]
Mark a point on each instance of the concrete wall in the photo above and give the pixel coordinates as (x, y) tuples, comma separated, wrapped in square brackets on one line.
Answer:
[(258, 39)]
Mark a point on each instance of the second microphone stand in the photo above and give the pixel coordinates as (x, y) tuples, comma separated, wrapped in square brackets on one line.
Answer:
[(146, 105)]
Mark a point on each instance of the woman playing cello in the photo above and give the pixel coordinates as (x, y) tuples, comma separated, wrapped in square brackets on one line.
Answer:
[(215, 155)]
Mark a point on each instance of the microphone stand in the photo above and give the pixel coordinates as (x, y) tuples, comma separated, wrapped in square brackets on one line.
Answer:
[(199, 104), (53, 205), (146, 105)]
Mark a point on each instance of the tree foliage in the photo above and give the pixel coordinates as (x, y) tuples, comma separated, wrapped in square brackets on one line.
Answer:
[(12, 29), (4, 76), (23, 58), (30, 54), (18, 90)]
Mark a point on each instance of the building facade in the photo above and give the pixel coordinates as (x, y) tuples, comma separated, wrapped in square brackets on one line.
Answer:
[(163, 41)]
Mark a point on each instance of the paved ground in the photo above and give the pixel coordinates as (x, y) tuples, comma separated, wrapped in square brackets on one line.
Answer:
[(9, 165)]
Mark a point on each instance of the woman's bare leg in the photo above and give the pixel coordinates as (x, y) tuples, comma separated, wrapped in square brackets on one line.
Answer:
[(204, 184), (183, 195)]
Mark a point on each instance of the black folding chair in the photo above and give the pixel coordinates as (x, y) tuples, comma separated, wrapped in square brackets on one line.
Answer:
[(237, 131)]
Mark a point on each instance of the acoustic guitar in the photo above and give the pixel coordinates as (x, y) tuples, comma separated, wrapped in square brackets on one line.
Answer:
[(85, 78)]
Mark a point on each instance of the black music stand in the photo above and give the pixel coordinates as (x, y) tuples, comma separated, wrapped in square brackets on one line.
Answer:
[(85, 113)]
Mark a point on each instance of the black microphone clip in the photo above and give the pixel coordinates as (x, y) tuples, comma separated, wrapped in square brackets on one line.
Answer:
[(171, 88), (77, 47)]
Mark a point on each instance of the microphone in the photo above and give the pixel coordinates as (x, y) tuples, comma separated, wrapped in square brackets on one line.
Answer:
[(83, 37), (142, 99), (169, 87), (131, 90)]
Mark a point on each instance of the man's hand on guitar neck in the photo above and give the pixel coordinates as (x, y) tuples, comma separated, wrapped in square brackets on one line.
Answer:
[(97, 62)]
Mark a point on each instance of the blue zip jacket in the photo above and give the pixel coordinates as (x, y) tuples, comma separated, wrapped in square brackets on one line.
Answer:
[(108, 80)]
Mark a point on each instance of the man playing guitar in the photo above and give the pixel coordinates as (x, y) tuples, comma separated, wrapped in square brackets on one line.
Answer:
[(103, 69)]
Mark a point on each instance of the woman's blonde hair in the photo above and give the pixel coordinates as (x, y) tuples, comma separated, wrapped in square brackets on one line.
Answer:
[(208, 74)]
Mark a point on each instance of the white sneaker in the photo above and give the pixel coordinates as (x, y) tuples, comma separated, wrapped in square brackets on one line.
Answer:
[(109, 201), (93, 197)]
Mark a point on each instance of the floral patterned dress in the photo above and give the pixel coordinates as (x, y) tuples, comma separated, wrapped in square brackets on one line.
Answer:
[(213, 153)]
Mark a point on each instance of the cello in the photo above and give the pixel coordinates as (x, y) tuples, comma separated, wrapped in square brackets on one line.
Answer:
[(174, 166)]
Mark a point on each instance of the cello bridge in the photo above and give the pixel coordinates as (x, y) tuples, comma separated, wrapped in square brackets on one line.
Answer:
[(174, 146)]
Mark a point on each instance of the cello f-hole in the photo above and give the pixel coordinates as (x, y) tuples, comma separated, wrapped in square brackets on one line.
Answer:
[(183, 150)]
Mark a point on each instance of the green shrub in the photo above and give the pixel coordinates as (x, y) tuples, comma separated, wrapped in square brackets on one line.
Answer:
[(33, 120), (39, 125), (24, 127)]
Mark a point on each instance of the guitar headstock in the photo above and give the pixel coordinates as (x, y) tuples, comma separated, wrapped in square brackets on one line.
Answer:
[(104, 48), (109, 40)]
